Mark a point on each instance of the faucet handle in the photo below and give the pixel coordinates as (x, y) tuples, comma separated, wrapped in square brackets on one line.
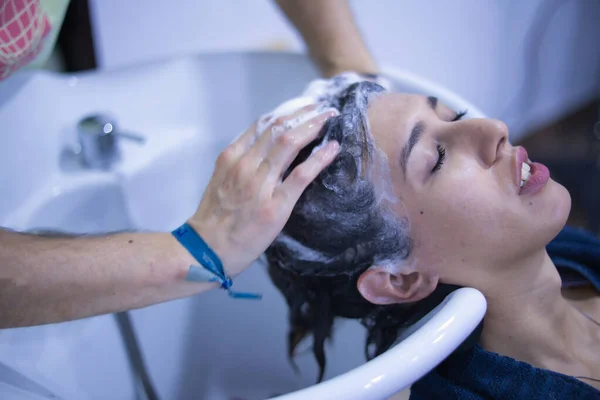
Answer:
[(102, 125), (131, 136), (98, 135)]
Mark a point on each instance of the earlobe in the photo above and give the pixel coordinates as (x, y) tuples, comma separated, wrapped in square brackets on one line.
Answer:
[(381, 285)]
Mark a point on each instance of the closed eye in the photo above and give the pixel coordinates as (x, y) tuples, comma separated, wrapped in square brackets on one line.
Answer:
[(441, 158), (459, 115), (441, 149)]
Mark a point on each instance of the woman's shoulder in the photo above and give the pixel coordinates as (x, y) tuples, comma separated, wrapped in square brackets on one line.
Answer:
[(576, 254), (586, 298), (480, 374)]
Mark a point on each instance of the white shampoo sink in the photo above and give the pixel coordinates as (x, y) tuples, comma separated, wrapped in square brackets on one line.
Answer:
[(209, 346)]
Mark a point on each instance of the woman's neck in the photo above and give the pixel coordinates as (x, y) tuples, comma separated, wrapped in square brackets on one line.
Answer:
[(529, 320)]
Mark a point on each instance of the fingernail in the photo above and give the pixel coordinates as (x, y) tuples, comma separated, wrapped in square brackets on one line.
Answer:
[(323, 106), (331, 112), (332, 148), (326, 114)]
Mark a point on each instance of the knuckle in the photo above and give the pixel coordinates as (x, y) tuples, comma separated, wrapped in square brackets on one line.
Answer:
[(266, 165), (238, 178), (321, 157), (242, 167), (226, 156), (224, 188), (279, 121), (250, 190), (301, 175), (267, 214), (287, 140)]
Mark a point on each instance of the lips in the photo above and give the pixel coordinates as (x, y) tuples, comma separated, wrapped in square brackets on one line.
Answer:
[(540, 175)]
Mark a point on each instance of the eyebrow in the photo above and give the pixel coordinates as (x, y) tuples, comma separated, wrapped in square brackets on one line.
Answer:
[(415, 135)]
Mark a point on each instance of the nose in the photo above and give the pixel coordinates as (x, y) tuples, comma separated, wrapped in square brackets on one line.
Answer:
[(482, 137)]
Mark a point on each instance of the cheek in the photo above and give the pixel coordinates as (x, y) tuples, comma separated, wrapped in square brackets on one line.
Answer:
[(463, 221), (443, 234), (473, 222), (464, 204)]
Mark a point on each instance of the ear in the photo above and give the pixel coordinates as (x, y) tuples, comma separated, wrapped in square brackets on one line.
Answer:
[(381, 285)]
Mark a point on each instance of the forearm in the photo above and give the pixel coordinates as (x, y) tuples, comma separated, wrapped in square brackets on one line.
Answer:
[(332, 37), (51, 279)]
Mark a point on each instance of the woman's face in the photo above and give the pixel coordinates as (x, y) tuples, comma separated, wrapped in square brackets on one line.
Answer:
[(459, 184)]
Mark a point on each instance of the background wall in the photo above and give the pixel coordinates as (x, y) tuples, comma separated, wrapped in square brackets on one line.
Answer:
[(527, 62)]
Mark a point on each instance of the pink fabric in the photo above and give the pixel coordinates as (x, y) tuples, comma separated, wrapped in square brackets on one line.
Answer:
[(23, 28)]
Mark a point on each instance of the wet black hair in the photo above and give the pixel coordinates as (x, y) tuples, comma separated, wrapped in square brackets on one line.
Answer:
[(337, 230)]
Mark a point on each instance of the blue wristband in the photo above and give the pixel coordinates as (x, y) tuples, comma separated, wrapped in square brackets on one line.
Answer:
[(213, 267)]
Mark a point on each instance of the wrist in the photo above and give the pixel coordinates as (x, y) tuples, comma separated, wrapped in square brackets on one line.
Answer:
[(211, 269), (331, 65), (183, 258), (212, 235)]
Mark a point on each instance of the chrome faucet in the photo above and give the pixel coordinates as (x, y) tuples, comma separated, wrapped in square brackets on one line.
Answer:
[(98, 140)]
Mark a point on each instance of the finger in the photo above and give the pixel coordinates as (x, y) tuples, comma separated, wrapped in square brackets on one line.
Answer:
[(255, 161), (292, 188), (278, 126), (246, 139), (243, 142), (283, 120), (247, 165), (263, 172), (292, 142), (232, 154)]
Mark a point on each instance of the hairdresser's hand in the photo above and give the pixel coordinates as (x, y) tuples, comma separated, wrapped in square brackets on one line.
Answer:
[(246, 205)]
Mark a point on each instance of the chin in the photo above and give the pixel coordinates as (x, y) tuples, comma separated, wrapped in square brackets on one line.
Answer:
[(557, 208)]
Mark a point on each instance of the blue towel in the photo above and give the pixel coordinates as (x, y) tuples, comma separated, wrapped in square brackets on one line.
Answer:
[(477, 374)]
